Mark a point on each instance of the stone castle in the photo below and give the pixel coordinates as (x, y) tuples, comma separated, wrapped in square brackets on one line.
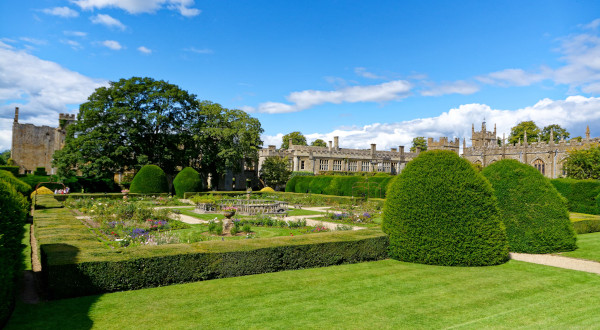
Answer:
[(547, 157), (33, 146)]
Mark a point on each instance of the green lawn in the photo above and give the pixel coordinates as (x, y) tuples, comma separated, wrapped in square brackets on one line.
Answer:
[(588, 247), (296, 212), (26, 247), (383, 294)]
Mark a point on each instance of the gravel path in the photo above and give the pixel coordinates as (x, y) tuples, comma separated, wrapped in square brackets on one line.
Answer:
[(559, 261)]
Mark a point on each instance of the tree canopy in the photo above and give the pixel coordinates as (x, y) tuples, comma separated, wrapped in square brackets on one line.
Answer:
[(583, 163), (517, 133), (420, 142), (558, 132), (297, 139), (318, 143), (139, 121), (275, 171)]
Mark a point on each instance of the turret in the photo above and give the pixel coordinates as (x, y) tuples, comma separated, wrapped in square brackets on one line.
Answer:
[(16, 115)]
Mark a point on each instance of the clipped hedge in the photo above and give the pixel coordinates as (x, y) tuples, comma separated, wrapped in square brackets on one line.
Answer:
[(12, 169), (440, 211), (19, 185), (150, 179), (341, 185), (534, 213), (13, 214), (75, 263), (580, 194), (318, 184), (187, 180)]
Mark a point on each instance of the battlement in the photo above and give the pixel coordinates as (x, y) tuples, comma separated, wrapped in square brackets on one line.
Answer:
[(66, 116), (443, 144)]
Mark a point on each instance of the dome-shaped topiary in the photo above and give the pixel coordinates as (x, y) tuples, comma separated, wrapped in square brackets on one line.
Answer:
[(534, 213), (41, 191), (440, 211), (267, 189), (188, 180), (151, 179)]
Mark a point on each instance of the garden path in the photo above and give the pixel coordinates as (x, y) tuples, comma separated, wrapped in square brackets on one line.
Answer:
[(558, 261), (311, 222)]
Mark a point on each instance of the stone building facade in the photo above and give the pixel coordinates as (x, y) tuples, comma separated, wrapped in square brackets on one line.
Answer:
[(547, 157), (33, 146)]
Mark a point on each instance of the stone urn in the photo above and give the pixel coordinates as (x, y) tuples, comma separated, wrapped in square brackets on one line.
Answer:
[(229, 213)]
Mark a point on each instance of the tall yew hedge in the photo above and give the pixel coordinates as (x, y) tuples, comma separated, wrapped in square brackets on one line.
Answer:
[(534, 213), (150, 179), (188, 180), (582, 195), (441, 211)]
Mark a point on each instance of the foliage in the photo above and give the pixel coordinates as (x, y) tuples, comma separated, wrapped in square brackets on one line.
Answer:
[(557, 131), (19, 185), (267, 189), (318, 143), (14, 208), (275, 171), (534, 213), (581, 195), (13, 169), (187, 180), (517, 133), (40, 171), (4, 156), (341, 185), (150, 179), (583, 163), (296, 137), (419, 142), (139, 121), (41, 191), (439, 210)]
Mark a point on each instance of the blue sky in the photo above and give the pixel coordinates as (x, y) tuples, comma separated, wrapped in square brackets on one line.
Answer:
[(370, 72)]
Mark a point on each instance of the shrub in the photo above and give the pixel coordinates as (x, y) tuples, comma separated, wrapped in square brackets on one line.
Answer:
[(534, 213), (440, 211), (19, 185), (12, 169), (267, 189), (303, 184), (187, 180), (14, 208), (150, 179), (41, 191), (319, 183), (40, 171), (580, 194)]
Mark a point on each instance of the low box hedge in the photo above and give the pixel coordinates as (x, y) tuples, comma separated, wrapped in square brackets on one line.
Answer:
[(61, 197), (586, 226), (75, 263)]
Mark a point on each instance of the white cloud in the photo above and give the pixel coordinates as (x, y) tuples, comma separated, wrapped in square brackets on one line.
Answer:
[(144, 50), (41, 89), (107, 20), (455, 87), (515, 77), (61, 11), (75, 33), (366, 74), (199, 51), (388, 91), (593, 24), (74, 44), (34, 41), (582, 58), (114, 45), (573, 113), (184, 7)]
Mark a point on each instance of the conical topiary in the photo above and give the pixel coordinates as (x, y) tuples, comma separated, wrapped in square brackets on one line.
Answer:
[(151, 179), (188, 180), (440, 211), (534, 213)]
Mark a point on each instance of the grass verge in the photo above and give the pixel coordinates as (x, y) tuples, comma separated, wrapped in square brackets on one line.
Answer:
[(382, 294), (588, 247)]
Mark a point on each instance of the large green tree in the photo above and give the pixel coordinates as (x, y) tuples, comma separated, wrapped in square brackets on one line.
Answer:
[(318, 143), (4, 156), (420, 142), (583, 163), (297, 139), (139, 121), (517, 133), (557, 131), (275, 171)]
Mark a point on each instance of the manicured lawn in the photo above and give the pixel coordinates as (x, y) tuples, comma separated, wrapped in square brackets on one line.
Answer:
[(296, 212), (26, 247), (383, 294), (588, 247)]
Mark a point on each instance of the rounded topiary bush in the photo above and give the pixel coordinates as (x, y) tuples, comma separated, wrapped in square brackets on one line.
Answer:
[(188, 180), (534, 213), (41, 191), (151, 179), (267, 190), (440, 211)]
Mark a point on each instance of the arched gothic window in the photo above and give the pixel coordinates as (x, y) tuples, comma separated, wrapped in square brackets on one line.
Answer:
[(540, 166)]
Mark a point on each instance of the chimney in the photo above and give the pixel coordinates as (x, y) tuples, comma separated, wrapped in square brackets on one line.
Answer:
[(373, 148), (16, 114), (336, 142), (394, 150), (401, 149), (329, 145), (290, 144), (418, 150)]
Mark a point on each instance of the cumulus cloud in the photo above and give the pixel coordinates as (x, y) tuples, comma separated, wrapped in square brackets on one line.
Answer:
[(74, 44), (144, 50), (455, 87), (108, 21), (573, 113), (65, 12), (114, 45), (515, 77), (184, 7), (41, 89), (388, 91)]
